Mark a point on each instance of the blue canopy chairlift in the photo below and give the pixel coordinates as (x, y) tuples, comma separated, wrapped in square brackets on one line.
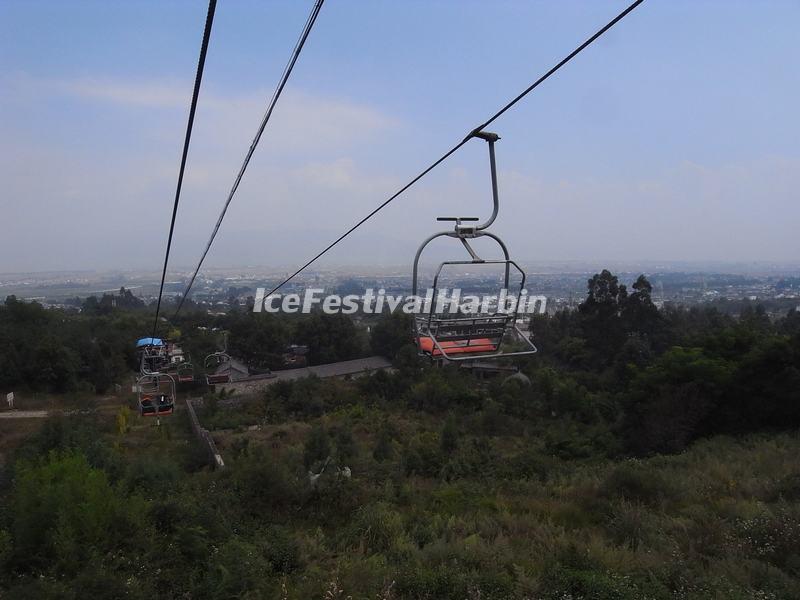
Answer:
[(464, 337), (153, 359)]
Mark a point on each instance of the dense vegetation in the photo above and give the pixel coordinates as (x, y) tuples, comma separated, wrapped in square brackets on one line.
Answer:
[(88, 350), (652, 455)]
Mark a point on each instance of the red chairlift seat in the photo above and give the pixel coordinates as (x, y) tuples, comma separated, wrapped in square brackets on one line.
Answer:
[(156, 395), (215, 378), (428, 347)]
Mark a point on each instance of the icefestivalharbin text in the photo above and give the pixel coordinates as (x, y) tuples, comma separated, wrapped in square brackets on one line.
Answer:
[(376, 302)]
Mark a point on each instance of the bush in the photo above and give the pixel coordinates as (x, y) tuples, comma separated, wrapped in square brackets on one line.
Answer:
[(281, 550), (629, 525), (422, 455), (239, 570), (384, 445), (263, 485), (66, 513), (636, 482), (152, 477), (317, 446), (561, 582), (376, 526)]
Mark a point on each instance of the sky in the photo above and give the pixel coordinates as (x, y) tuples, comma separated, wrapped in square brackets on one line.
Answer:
[(674, 137)]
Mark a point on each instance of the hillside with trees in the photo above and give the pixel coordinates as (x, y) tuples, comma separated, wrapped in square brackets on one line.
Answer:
[(645, 453)]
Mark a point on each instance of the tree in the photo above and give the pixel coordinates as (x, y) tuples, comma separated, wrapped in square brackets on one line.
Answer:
[(259, 339), (330, 338), (765, 392), (391, 333), (639, 314), (600, 316), (671, 403), (66, 513), (55, 365)]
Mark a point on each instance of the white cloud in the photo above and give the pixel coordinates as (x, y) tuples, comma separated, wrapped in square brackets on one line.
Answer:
[(151, 94), (735, 211), (104, 199), (112, 171), (300, 119)]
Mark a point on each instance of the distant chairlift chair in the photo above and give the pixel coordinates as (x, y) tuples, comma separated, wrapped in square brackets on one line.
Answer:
[(185, 372), (217, 367), (459, 336), (153, 354)]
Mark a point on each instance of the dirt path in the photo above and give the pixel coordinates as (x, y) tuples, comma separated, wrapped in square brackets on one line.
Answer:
[(24, 414)]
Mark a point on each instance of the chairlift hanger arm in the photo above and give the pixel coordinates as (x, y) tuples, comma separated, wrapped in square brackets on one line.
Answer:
[(491, 138), (470, 230)]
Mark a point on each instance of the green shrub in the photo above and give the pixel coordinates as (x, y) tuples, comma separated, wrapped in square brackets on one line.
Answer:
[(5, 550), (281, 550), (629, 525), (561, 582), (376, 526), (384, 444), (66, 513), (635, 481), (432, 583), (152, 477), (772, 537), (317, 447), (239, 570), (422, 455), (263, 485)]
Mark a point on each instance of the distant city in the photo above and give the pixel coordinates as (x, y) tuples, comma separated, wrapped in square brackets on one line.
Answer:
[(728, 286)]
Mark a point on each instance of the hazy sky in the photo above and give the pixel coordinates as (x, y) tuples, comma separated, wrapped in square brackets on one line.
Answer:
[(674, 137)]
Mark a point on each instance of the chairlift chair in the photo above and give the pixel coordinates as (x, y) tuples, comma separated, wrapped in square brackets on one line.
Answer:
[(217, 367), (153, 355), (156, 395), (464, 337), (178, 364), (185, 372)]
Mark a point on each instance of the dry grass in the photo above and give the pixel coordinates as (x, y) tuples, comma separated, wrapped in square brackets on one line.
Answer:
[(13, 432)]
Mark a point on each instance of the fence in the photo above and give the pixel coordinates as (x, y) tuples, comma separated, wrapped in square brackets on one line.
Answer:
[(204, 436)]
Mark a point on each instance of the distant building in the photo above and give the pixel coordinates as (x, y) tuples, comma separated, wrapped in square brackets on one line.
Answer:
[(348, 369), (237, 370)]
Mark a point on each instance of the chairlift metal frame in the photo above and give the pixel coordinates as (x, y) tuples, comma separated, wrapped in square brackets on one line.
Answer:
[(153, 400), (153, 359), (214, 360), (184, 372), (455, 333)]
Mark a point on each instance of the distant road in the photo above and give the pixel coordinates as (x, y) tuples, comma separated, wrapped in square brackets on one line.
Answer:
[(24, 414)]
